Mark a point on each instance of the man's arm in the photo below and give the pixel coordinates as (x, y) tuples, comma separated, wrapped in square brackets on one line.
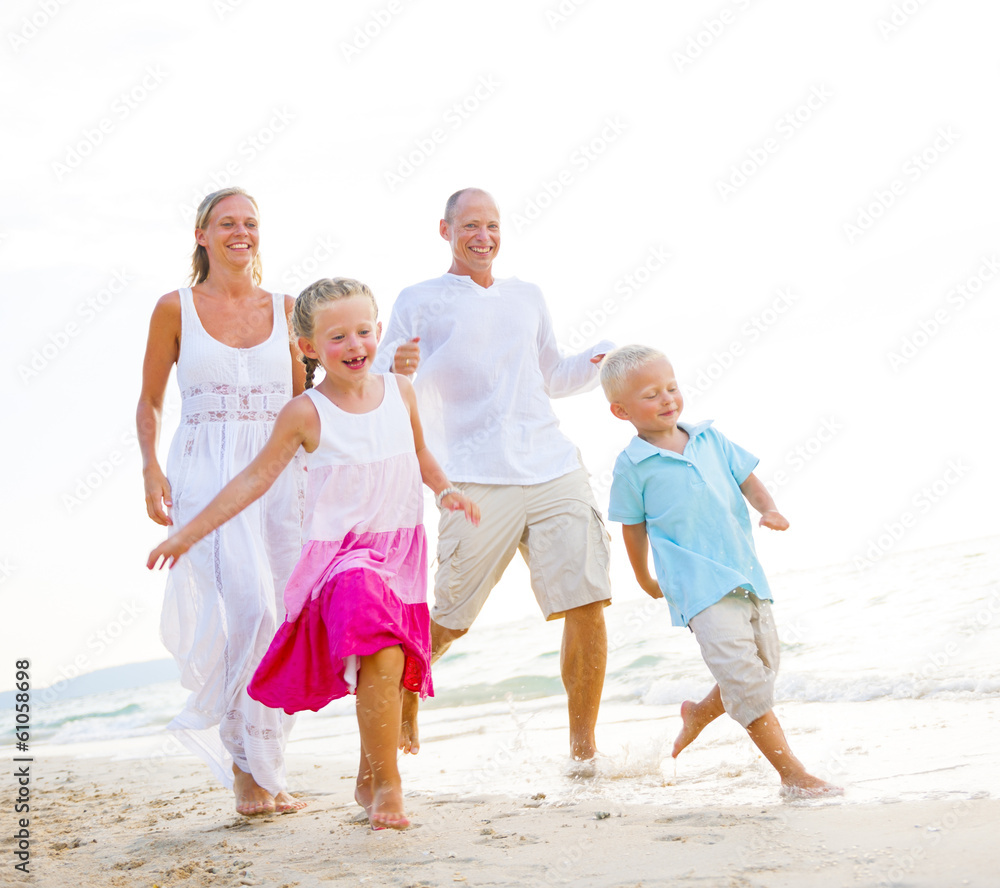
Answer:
[(570, 374), (398, 332), (637, 546)]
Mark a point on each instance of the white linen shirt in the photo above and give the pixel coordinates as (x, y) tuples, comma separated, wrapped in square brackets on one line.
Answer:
[(488, 365)]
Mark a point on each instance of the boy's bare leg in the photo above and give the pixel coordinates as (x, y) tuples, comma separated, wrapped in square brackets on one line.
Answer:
[(583, 661), (696, 716), (378, 709), (409, 738), (251, 797), (769, 738)]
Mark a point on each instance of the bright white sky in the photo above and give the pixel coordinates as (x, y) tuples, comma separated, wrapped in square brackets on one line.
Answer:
[(609, 133)]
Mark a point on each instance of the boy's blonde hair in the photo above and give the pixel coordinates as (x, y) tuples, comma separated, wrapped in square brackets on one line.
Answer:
[(315, 295), (621, 363), (199, 257)]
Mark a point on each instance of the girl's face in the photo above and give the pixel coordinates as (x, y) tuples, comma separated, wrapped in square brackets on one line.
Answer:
[(231, 235), (345, 337)]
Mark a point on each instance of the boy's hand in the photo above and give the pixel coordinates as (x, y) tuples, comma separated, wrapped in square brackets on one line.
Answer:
[(653, 591), (169, 551), (458, 502), (774, 519)]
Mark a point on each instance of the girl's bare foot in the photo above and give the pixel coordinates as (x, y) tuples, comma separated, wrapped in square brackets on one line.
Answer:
[(387, 809), (251, 797), (285, 803), (409, 740)]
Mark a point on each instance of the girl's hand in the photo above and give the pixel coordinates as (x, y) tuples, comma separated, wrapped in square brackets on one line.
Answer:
[(169, 551), (157, 495), (774, 519), (458, 502)]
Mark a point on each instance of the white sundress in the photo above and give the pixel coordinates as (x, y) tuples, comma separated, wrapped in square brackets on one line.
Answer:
[(223, 600)]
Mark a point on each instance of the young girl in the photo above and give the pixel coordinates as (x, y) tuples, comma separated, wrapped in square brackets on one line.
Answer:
[(357, 618)]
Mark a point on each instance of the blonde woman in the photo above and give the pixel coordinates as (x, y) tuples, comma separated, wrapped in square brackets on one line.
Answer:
[(236, 368)]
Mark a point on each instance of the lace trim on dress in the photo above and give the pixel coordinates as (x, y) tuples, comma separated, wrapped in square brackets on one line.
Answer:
[(224, 402)]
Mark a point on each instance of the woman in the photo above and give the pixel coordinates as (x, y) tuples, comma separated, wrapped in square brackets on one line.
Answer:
[(236, 368)]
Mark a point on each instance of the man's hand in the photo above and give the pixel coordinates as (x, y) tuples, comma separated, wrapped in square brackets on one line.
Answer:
[(407, 358)]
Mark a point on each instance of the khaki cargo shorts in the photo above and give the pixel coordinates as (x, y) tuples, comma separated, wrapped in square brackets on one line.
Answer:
[(558, 530), (739, 644)]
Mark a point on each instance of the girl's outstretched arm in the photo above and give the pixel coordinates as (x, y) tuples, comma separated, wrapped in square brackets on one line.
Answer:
[(758, 497), (297, 425), (430, 472)]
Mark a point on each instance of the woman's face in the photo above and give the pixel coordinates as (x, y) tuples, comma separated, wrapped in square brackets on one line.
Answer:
[(232, 233)]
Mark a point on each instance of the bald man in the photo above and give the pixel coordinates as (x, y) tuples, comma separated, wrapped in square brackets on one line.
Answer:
[(489, 365)]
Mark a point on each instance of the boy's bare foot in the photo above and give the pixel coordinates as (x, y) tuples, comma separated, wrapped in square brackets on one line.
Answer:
[(808, 787), (387, 809), (285, 803), (409, 740), (251, 797), (691, 728)]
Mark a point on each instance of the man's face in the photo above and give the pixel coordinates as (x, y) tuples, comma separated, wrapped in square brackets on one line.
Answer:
[(474, 233)]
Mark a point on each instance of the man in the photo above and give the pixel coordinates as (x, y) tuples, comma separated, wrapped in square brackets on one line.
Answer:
[(488, 365)]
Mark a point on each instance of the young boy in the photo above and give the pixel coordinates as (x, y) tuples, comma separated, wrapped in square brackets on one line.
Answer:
[(683, 486)]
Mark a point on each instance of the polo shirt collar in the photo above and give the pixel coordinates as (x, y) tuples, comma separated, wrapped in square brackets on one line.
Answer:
[(638, 450)]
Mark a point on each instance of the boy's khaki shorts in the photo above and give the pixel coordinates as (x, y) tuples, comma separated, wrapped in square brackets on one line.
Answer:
[(558, 530), (739, 643)]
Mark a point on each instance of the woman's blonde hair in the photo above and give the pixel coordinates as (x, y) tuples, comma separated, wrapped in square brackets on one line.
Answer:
[(199, 258), (315, 295)]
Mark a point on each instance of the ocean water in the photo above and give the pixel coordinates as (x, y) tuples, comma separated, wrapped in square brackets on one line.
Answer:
[(889, 684)]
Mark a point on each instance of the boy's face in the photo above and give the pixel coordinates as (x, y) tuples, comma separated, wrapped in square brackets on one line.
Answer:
[(652, 401)]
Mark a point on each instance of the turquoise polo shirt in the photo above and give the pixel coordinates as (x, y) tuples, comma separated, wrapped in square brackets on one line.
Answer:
[(695, 514)]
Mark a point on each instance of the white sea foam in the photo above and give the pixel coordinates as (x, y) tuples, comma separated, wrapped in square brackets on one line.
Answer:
[(867, 658)]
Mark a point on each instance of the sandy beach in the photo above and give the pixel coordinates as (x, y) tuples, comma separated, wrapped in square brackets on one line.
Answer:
[(105, 822)]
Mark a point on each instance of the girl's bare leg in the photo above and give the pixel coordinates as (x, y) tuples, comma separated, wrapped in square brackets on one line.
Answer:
[(378, 710)]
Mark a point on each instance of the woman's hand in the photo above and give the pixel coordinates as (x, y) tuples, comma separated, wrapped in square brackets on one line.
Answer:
[(158, 499)]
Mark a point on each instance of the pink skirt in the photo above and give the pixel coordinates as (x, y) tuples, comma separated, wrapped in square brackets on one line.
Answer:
[(356, 614)]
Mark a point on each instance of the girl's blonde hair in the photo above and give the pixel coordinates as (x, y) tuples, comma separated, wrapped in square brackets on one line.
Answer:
[(315, 295), (199, 258)]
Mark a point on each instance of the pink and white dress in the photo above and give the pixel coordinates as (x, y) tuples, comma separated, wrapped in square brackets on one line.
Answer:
[(361, 582)]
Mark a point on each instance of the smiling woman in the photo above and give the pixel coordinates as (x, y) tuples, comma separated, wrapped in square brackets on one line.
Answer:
[(236, 368)]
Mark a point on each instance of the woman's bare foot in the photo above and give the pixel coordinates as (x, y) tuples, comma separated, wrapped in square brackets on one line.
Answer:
[(387, 809), (286, 803), (806, 786), (409, 740), (251, 797)]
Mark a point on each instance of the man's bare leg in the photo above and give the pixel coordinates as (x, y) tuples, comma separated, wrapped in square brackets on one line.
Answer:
[(583, 660), (251, 797), (769, 738), (409, 738), (696, 716)]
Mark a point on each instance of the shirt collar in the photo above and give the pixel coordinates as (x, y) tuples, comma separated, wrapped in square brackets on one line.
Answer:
[(638, 450)]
